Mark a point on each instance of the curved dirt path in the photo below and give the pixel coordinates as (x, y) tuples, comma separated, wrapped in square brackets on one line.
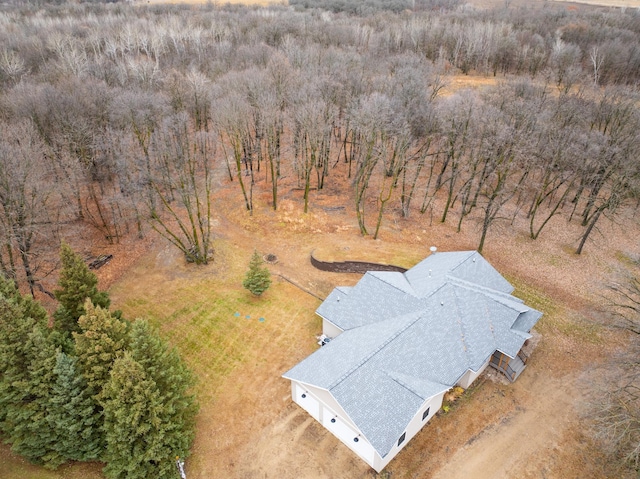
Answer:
[(521, 443)]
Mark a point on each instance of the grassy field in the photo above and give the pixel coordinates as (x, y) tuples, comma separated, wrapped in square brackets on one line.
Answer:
[(215, 323)]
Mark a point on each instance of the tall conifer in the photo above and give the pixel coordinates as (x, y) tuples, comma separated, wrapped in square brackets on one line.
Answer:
[(77, 283), (72, 416), (132, 424), (26, 419), (149, 413), (102, 339), (173, 380), (18, 317)]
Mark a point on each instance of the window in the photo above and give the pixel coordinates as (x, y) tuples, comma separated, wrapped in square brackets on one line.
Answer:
[(426, 414), (401, 440)]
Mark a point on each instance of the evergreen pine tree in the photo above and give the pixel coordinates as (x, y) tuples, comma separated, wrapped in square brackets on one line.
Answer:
[(77, 283), (26, 419), (18, 317), (258, 278), (149, 414), (133, 424), (173, 379), (30, 307), (72, 416), (102, 339)]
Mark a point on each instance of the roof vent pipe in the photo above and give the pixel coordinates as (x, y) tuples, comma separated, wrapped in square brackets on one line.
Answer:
[(433, 249)]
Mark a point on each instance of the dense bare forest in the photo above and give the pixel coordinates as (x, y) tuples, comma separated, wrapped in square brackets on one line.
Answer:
[(125, 118), (120, 116)]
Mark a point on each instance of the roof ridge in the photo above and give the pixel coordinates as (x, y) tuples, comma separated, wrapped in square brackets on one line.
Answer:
[(379, 348), (496, 295), (393, 285), (471, 253), (461, 325), (394, 375), (384, 343)]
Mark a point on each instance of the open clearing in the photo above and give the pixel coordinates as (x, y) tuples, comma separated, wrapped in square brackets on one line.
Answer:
[(248, 426)]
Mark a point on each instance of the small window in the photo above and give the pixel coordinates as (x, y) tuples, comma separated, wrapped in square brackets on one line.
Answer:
[(401, 440), (425, 415)]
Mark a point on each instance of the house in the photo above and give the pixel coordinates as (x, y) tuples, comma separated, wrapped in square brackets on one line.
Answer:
[(400, 341)]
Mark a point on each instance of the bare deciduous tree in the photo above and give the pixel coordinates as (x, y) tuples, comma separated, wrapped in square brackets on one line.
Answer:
[(181, 163), (616, 405), (24, 197)]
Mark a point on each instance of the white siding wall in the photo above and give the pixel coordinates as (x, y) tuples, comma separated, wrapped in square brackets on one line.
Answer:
[(306, 400), (330, 329), (322, 406), (434, 404), (343, 431), (470, 376)]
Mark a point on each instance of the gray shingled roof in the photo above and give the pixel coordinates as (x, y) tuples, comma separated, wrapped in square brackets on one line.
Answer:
[(409, 336), (367, 302)]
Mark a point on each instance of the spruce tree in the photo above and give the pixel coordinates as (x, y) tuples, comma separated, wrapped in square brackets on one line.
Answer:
[(30, 307), (149, 415), (26, 419), (102, 339), (19, 315), (133, 424), (173, 379), (72, 416), (258, 278), (77, 283)]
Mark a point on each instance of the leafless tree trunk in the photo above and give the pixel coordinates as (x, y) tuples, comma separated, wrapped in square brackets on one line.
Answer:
[(182, 169), (24, 197)]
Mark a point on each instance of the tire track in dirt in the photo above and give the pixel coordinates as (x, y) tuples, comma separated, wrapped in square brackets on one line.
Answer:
[(290, 447), (514, 446)]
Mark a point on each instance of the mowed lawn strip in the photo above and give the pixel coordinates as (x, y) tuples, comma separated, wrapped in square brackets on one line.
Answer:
[(216, 325), (199, 319)]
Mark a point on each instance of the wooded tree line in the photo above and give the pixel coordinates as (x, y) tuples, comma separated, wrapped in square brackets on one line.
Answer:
[(95, 387), (616, 403), (126, 117)]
